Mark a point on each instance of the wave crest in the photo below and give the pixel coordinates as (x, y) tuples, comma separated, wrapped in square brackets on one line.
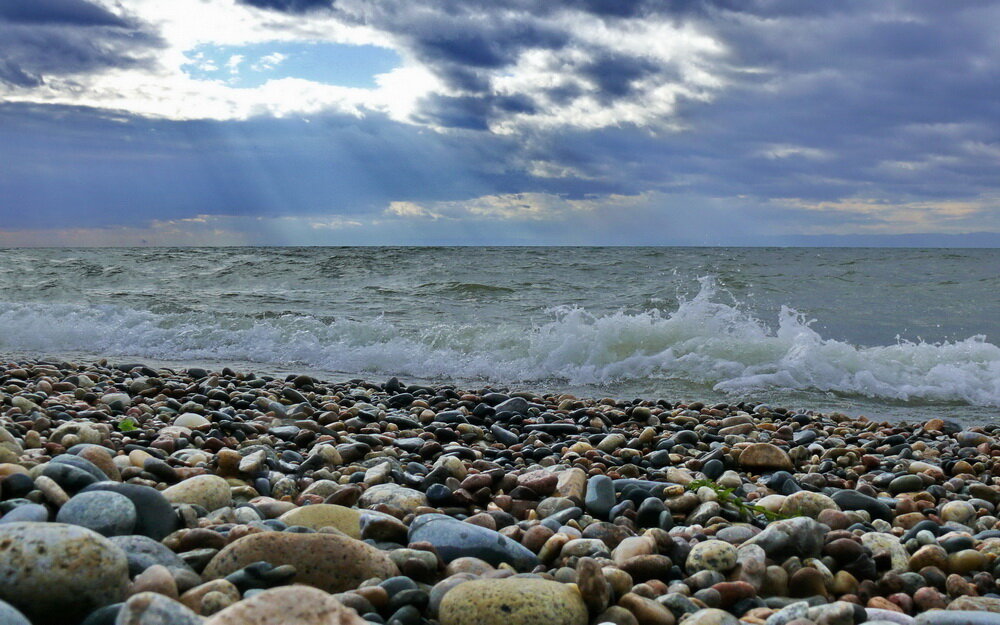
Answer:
[(703, 340)]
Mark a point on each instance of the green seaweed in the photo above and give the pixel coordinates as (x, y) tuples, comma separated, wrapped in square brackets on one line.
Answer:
[(128, 424)]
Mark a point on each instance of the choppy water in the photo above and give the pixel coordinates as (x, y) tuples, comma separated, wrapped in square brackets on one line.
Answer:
[(893, 333)]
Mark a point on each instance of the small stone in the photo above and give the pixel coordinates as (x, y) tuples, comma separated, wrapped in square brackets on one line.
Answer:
[(801, 536), (150, 608), (906, 484), (765, 457), (453, 539), (105, 512), (208, 491), (320, 515), (513, 601), (155, 516), (956, 617), (600, 497), (807, 582), (193, 598), (711, 555), (887, 545), (288, 605), (594, 587), (156, 578), (958, 512), (966, 561), (646, 611), (406, 499), (711, 616), (191, 420), (807, 503)]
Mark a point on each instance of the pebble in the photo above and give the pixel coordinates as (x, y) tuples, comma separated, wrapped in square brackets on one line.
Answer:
[(765, 457), (288, 605), (513, 601), (150, 608), (211, 492), (453, 539), (54, 572), (711, 555), (155, 517), (104, 512), (329, 562), (317, 516), (9, 615)]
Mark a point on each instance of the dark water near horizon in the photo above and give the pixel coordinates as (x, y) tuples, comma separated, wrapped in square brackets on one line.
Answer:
[(891, 333)]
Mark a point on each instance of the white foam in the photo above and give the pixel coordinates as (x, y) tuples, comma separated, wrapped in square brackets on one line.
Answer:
[(703, 341)]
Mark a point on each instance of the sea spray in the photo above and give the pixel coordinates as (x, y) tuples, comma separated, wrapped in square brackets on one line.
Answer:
[(704, 340)]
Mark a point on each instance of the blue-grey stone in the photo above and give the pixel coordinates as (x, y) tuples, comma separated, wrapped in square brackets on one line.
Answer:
[(143, 552), (600, 496), (503, 436), (72, 479), (654, 488), (28, 512), (156, 518), (9, 615), (454, 539), (106, 512), (853, 500), (80, 463), (104, 616), (800, 536), (958, 617), (517, 405)]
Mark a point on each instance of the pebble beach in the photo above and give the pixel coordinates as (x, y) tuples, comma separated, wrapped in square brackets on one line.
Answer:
[(139, 495)]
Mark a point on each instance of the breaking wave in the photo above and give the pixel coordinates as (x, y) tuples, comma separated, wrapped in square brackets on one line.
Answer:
[(702, 340)]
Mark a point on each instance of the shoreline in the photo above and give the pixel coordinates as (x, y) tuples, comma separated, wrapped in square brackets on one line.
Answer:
[(824, 402), (658, 512)]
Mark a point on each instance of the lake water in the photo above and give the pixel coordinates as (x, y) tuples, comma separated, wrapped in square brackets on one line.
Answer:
[(889, 333)]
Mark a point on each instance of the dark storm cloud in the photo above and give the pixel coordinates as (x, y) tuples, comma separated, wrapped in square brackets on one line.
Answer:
[(44, 38), (468, 44), (74, 12), (12, 74), (291, 6), (817, 102)]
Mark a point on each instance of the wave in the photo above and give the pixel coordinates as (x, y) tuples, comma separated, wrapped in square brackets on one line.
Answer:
[(702, 340)]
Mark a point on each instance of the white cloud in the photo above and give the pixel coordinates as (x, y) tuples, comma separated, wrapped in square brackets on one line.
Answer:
[(515, 207), (167, 91), (782, 150), (683, 56), (874, 215), (269, 62), (234, 62)]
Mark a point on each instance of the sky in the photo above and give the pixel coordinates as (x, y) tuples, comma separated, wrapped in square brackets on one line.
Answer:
[(495, 122)]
